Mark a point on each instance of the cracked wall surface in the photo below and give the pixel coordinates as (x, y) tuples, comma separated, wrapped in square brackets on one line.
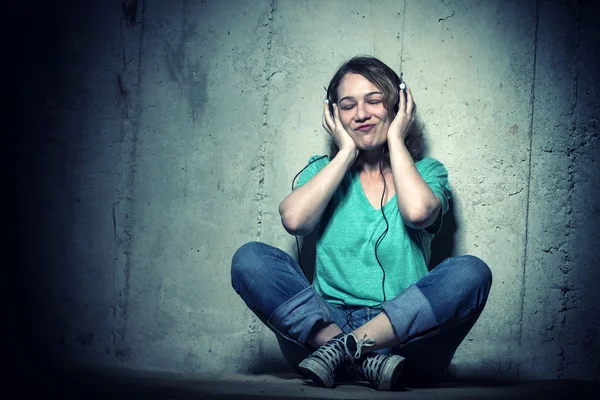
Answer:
[(154, 143), (562, 266)]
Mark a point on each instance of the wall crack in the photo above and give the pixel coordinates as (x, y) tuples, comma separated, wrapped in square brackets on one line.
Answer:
[(122, 216), (572, 155), (254, 342), (448, 17), (528, 197), (268, 74)]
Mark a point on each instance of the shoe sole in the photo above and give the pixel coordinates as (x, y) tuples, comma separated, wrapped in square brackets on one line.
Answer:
[(316, 372), (392, 369)]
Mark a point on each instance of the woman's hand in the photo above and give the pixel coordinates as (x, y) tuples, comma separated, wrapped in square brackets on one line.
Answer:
[(336, 130), (405, 118)]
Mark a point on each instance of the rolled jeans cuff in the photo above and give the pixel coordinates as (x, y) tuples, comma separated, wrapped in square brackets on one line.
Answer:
[(411, 315), (296, 318)]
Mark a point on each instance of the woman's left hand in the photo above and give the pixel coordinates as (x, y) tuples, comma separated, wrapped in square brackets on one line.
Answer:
[(405, 117)]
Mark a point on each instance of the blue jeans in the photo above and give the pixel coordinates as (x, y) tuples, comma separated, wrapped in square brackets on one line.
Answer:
[(430, 318)]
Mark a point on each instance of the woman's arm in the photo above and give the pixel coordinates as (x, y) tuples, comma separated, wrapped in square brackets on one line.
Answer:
[(418, 206), (301, 210)]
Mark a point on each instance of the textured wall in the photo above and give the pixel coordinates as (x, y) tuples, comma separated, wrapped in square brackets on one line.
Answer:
[(150, 149)]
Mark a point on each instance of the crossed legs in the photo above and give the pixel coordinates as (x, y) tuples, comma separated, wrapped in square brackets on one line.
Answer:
[(446, 302)]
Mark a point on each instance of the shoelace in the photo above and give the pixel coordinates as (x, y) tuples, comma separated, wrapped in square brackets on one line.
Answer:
[(364, 342), (333, 353), (337, 350), (371, 366)]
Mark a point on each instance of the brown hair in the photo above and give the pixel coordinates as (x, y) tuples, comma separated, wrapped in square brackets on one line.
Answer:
[(388, 82)]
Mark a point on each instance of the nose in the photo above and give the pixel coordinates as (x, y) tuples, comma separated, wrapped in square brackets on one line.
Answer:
[(361, 112)]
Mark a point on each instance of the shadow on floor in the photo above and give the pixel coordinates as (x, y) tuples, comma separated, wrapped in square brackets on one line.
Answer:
[(101, 382)]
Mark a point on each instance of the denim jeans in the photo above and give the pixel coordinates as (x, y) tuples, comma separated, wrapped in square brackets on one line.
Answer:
[(430, 318)]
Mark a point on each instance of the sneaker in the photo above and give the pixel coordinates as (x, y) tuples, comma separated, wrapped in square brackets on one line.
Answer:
[(382, 371), (320, 366)]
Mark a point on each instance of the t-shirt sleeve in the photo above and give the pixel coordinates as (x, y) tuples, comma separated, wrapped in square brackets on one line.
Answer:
[(315, 164), (435, 174)]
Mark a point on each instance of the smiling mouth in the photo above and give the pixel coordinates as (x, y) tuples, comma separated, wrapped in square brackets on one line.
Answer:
[(365, 128)]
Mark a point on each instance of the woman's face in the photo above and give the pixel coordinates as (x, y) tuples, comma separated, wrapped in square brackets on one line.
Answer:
[(362, 112)]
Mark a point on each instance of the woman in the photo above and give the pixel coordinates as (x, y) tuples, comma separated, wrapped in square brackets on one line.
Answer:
[(373, 307)]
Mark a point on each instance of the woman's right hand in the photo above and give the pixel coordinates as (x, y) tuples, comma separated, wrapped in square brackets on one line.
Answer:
[(334, 127)]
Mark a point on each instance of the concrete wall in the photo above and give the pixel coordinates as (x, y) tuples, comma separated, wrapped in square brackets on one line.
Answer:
[(148, 151)]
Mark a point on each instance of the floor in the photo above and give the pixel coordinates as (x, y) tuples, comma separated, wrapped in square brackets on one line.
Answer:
[(91, 382)]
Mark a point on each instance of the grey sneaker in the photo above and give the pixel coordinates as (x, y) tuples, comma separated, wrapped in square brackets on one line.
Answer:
[(382, 371), (321, 365)]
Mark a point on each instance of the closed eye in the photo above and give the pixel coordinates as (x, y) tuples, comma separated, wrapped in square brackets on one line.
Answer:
[(351, 106)]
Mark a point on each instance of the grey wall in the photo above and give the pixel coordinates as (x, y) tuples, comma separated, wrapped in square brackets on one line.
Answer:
[(146, 153)]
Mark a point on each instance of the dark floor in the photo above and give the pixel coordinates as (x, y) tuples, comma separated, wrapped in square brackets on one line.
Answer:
[(101, 383)]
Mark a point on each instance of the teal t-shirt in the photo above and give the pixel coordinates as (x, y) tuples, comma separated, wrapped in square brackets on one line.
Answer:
[(346, 269)]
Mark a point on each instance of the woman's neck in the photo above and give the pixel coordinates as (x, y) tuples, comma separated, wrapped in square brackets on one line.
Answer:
[(368, 161)]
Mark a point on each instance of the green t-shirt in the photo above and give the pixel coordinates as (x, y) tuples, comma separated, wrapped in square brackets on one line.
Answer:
[(346, 269)]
